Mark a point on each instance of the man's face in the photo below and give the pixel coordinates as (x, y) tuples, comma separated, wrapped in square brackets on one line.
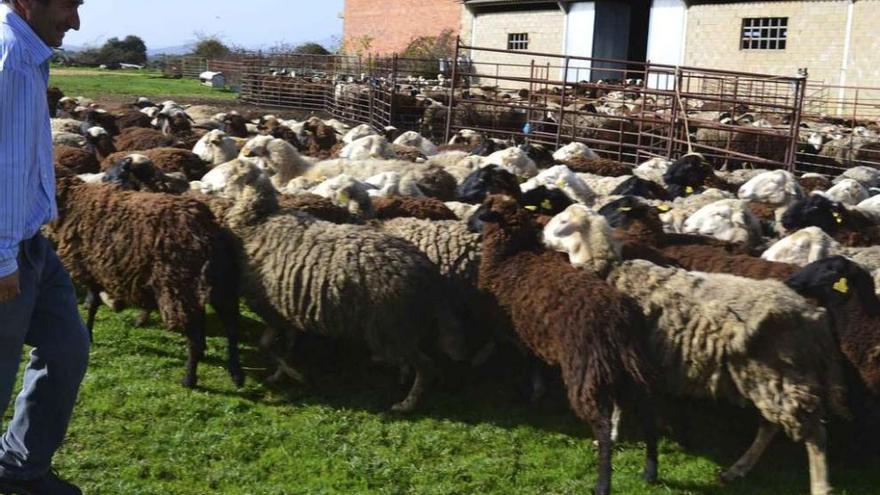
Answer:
[(50, 19)]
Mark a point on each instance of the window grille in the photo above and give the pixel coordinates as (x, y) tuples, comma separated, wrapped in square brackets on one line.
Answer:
[(764, 33), (518, 41)]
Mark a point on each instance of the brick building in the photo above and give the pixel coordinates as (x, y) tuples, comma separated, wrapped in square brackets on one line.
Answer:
[(834, 39), (385, 27)]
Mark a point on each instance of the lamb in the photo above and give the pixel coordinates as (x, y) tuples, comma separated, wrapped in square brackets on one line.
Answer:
[(707, 332), (216, 147), (349, 281), (152, 251), (76, 160), (168, 160), (138, 138), (596, 337)]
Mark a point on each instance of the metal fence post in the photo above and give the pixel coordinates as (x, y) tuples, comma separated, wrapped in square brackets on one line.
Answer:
[(800, 93), (562, 103), (451, 105)]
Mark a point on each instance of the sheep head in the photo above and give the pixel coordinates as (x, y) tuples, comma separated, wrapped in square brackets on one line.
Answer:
[(347, 192), (848, 191), (834, 280), (253, 192), (802, 247), (585, 236)]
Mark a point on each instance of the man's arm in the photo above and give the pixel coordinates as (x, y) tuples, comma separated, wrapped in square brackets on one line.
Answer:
[(16, 123)]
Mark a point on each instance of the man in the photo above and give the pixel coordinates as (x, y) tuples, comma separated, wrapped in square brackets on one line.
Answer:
[(37, 300)]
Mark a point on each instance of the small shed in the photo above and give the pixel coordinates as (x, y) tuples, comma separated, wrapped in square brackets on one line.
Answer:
[(213, 79)]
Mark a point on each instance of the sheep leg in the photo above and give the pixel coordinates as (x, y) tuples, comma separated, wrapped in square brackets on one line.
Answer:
[(195, 335), (93, 300), (766, 432), (267, 342), (816, 452), (142, 319), (647, 415), (424, 370), (228, 312), (602, 430)]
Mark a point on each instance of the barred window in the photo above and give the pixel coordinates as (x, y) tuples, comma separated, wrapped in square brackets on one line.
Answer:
[(518, 41), (764, 33)]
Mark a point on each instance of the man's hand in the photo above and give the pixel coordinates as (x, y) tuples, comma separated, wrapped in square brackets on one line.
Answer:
[(9, 288)]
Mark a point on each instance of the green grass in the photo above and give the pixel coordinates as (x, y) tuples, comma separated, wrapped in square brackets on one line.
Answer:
[(100, 84), (137, 431)]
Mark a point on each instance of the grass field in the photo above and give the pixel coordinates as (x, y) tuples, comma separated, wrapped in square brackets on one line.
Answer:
[(136, 431), (97, 84)]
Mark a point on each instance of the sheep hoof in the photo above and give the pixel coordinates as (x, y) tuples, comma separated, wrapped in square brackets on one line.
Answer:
[(403, 407), (142, 319), (189, 382), (728, 477), (237, 379)]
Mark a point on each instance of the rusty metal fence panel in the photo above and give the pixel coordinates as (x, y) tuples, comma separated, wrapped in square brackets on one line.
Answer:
[(840, 129), (628, 110)]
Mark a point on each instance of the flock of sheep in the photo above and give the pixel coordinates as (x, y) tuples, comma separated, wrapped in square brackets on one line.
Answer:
[(666, 279)]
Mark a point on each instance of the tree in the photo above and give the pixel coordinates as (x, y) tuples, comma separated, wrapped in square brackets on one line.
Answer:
[(130, 50), (211, 47), (428, 50), (311, 48)]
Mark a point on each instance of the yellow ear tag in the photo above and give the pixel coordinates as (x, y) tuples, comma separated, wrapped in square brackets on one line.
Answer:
[(560, 183), (842, 286), (624, 208), (837, 216), (520, 179), (664, 208), (344, 197), (689, 190), (531, 207), (546, 204)]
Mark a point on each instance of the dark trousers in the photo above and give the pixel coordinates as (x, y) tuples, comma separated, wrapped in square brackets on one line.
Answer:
[(45, 317)]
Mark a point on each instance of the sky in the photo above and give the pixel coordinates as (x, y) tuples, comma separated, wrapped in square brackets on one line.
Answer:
[(248, 23)]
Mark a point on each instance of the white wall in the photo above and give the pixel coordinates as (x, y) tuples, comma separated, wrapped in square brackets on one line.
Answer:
[(666, 36), (579, 39)]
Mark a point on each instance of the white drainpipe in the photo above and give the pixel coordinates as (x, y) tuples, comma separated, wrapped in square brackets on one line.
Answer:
[(846, 48)]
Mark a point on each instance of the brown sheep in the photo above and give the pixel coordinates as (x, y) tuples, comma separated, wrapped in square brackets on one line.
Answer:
[(76, 160), (133, 118), (810, 184), (154, 251), (600, 166), (138, 138), (596, 336), (408, 153), (411, 206), (168, 160)]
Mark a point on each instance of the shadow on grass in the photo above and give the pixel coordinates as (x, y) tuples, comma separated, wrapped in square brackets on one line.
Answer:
[(341, 375)]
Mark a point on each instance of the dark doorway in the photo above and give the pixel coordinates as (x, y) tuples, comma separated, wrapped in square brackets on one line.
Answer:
[(621, 33)]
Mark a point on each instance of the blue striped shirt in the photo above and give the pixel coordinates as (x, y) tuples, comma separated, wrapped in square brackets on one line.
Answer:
[(27, 177)]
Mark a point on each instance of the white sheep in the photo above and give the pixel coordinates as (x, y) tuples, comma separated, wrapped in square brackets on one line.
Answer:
[(416, 140), (726, 220), (776, 187), (847, 191), (866, 176), (392, 183), (653, 170), (347, 192), (277, 157), (514, 160), (365, 148), (216, 147), (358, 132), (574, 150), (803, 247), (562, 178)]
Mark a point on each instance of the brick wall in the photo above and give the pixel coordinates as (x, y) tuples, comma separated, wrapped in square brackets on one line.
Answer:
[(392, 25), (545, 28), (816, 32)]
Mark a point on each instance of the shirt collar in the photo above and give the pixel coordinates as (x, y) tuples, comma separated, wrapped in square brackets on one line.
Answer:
[(38, 50)]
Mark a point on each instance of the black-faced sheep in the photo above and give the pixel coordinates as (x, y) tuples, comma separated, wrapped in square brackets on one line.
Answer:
[(596, 337), (305, 275), (136, 172), (848, 226), (154, 251), (168, 160)]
